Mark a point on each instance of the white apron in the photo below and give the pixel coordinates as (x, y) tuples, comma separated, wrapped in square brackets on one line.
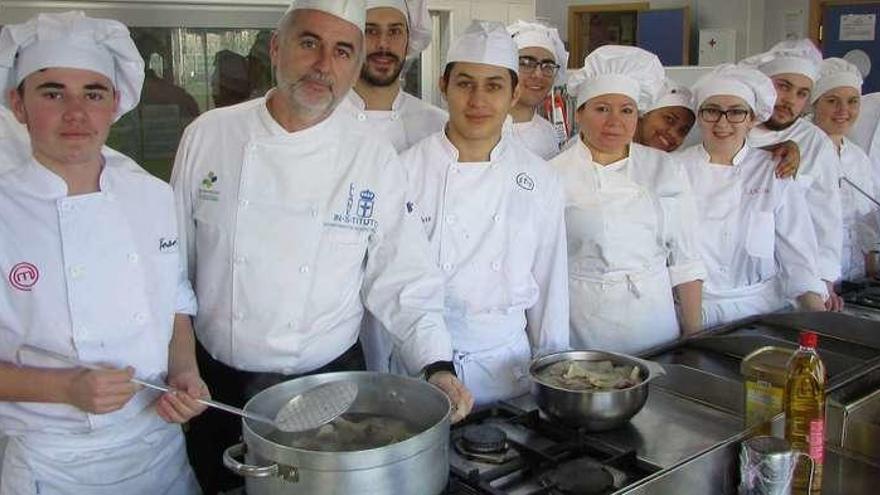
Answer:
[(732, 304), (149, 451)]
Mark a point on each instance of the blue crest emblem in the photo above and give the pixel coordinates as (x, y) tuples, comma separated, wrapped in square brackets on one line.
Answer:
[(365, 203)]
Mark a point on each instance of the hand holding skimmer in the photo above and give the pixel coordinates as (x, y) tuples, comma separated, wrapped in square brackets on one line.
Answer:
[(310, 409)]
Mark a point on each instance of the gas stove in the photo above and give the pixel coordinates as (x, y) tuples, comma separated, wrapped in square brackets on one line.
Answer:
[(506, 450), (862, 298)]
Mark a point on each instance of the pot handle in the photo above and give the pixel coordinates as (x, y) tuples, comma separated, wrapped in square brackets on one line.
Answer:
[(655, 368), (246, 470)]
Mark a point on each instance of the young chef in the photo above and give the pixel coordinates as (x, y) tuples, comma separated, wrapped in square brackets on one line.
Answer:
[(666, 123), (629, 214), (494, 215), (295, 222), (396, 31), (793, 66), (758, 246), (835, 107), (90, 260), (543, 60)]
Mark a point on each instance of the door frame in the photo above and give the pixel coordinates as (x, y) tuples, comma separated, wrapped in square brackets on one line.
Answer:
[(815, 22), (574, 31)]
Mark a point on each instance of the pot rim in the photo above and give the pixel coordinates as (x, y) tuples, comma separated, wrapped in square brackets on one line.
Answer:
[(591, 355)]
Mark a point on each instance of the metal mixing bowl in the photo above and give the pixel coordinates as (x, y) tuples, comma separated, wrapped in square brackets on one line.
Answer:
[(594, 410)]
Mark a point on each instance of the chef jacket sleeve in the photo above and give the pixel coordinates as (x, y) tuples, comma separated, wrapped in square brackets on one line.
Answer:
[(867, 214), (402, 288), (181, 182), (679, 214), (796, 245), (185, 301), (547, 319), (823, 203)]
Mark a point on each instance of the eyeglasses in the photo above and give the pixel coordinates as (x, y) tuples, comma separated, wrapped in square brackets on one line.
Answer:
[(528, 64), (733, 115)]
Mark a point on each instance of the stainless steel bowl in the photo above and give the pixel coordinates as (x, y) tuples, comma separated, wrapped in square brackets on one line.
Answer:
[(592, 410)]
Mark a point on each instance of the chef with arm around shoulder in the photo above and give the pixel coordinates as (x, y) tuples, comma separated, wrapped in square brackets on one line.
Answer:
[(758, 245), (295, 222), (92, 271), (793, 66), (836, 105), (493, 211), (629, 214)]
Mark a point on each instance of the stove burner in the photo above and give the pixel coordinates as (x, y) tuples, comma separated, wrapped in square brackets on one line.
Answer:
[(483, 439), (581, 477)]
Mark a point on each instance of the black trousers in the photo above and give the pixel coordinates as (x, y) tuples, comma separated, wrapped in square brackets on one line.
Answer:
[(210, 433)]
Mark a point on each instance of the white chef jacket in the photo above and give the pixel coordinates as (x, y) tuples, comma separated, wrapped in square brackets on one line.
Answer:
[(818, 175), (291, 235), (758, 246), (497, 232), (409, 121), (861, 232), (14, 142), (866, 131), (98, 277), (539, 136), (631, 238)]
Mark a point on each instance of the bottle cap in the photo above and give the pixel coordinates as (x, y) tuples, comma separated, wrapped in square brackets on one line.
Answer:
[(808, 339)]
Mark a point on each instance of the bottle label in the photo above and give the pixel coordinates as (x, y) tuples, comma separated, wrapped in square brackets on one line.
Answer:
[(817, 440)]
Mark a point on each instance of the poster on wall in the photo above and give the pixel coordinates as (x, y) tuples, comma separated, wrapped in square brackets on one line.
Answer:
[(857, 27)]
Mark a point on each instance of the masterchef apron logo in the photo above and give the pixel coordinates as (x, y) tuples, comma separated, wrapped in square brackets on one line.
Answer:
[(24, 276), (524, 181)]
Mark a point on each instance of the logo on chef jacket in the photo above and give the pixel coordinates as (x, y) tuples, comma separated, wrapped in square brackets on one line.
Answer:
[(524, 181), (758, 190), (24, 276), (168, 245), (358, 210), (206, 188)]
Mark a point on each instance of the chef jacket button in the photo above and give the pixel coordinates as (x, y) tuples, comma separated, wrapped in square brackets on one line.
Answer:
[(362, 117), (447, 266), (133, 257), (496, 266), (244, 202), (450, 218), (239, 316), (496, 218), (304, 269), (76, 271), (240, 260), (140, 318), (314, 212)]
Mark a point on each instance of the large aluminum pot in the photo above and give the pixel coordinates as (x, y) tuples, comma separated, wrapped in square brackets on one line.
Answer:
[(592, 410), (416, 466)]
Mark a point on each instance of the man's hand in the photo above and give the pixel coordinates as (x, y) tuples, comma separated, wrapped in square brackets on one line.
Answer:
[(181, 404), (834, 302), (461, 398), (811, 301), (101, 391), (789, 155)]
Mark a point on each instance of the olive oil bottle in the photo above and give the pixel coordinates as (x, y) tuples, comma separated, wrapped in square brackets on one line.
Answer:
[(805, 412)]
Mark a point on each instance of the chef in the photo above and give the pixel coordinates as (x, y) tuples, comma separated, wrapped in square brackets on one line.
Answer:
[(836, 101), (629, 214), (543, 60), (493, 211), (91, 270), (396, 32), (295, 221), (793, 66), (666, 123), (758, 246)]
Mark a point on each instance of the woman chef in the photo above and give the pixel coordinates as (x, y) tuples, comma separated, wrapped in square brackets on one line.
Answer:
[(629, 214), (90, 261), (759, 248)]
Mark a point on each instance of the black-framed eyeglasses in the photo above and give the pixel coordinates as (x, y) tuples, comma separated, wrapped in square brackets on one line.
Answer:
[(733, 115), (528, 64)]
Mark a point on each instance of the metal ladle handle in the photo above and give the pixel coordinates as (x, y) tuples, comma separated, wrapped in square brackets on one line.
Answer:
[(154, 386)]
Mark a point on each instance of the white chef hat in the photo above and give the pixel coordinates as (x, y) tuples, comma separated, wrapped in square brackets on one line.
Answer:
[(532, 34), (750, 84), (485, 42), (834, 73), (72, 40), (672, 95), (353, 11), (418, 21), (615, 69), (790, 56)]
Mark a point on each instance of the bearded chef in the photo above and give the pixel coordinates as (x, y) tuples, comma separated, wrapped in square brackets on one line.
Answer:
[(542, 63), (91, 269), (295, 221), (793, 66), (396, 32), (493, 211), (629, 214)]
